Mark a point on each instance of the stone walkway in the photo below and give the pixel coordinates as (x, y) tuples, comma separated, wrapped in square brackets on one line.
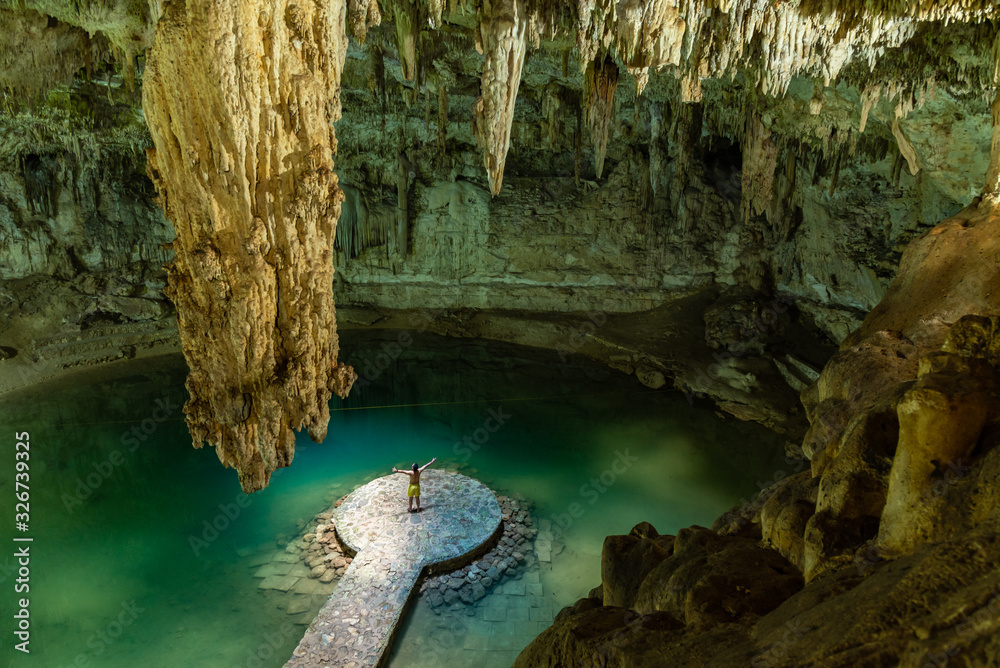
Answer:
[(355, 626)]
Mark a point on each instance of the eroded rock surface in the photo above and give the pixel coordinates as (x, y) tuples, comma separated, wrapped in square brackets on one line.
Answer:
[(904, 391), (240, 100), (658, 590), (946, 419), (892, 527)]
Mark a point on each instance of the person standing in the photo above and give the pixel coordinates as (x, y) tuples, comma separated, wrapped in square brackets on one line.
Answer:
[(413, 490)]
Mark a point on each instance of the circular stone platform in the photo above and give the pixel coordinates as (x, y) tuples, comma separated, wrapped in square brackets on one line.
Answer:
[(393, 547), (459, 515)]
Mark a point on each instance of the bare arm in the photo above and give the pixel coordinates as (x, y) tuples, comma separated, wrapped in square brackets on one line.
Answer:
[(428, 464), (395, 470)]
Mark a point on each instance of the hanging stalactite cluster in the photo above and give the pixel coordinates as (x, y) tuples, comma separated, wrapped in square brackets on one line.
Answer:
[(237, 215), (599, 84), (362, 225), (766, 43)]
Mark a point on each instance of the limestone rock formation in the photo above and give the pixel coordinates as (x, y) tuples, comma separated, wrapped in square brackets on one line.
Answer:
[(36, 55), (658, 589), (502, 39), (903, 469), (240, 100), (762, 145), (599, 84), (903, 613), (710, 179), (943, 417), (784, 40), (362, 15), (740, 209), (925, 409), (82, 34), (627, 560), (913, 390), (898, 563), (711, 579)]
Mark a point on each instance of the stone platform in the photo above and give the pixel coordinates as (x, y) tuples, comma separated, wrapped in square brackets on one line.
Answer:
[(355, 626)]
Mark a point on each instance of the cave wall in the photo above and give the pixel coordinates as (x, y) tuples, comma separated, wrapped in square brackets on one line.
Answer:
[(82, 244), (563, 159), (590, 162), (808, 193), (803, 194), (551, 242), (881, 551)]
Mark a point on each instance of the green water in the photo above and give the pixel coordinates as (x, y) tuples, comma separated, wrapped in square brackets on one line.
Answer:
[(127, 569)]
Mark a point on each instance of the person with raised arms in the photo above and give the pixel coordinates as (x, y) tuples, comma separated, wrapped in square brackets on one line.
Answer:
[(413, 490)]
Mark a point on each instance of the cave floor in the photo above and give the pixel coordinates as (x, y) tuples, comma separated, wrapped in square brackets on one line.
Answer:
[(393, 547)]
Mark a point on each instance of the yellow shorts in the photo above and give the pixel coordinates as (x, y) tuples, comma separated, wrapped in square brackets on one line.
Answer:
[(413, 490)]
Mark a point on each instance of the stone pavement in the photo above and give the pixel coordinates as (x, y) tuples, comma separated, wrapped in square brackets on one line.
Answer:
[(355, 626), (512, 554)]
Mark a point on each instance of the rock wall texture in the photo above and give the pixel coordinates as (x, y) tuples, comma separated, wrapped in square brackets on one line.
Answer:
[(240, 101), (778, 215), (691, 194), (881, 551), (81, 241)]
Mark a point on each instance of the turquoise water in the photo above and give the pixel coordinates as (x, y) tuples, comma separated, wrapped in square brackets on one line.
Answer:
[(144, 548)]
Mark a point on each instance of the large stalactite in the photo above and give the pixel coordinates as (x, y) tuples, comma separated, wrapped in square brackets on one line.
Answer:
[(240, 99), (502, 38), (599, 84)]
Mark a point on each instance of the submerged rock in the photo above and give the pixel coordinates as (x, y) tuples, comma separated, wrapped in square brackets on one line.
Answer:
[(474, 582)]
